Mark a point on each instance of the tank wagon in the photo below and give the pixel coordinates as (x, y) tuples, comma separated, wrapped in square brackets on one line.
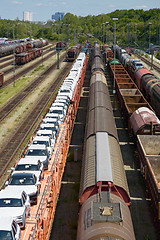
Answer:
[(37, 43), (148, 84), (21, 46), (8, 48), (150, 87), (1, 78), (30, 51), (104, 195)]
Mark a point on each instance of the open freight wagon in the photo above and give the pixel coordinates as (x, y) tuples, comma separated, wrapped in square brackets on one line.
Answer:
[(149, 159)]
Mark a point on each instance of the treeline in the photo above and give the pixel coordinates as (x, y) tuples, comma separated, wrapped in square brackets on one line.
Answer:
[(133, 28)]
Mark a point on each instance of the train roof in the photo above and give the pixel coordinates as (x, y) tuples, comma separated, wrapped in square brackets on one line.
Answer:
[(105, 215), (92, 163), (141, 117)]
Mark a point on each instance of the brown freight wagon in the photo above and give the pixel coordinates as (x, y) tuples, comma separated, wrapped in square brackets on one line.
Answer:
[(130, 97), (149, 159), (1, 78), (145, 122)]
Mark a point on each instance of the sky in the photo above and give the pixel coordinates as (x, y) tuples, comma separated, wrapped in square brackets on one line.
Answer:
[(42, 10)]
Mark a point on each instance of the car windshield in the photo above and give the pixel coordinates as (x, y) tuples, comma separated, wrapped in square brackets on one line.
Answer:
[(48, 135), (27, 167), (57, 111), (48, 128), (5, 235), (36, 152), (65, 90), (41, 142), (10, 202), (21, 181), (139, 64)]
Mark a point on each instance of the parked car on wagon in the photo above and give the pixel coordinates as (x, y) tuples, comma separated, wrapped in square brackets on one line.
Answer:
[(48, 133), (44, 140), (15, 203), (27, 182), (60, 111), (31, 165), (39, 151), (9, 229), (136, 64)]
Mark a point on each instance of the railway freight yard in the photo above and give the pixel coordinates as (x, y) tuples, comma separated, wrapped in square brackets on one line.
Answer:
[(79, 141)]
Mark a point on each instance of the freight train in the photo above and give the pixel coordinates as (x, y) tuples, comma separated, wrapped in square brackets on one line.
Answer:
[(148, 84), (25, 57), (30, 51), (20, 46), (104, 195), (145, 126), (47, 149)]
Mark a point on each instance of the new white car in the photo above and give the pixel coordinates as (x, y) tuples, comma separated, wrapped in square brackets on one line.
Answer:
[(136, 64), (62, 97), (56, 104), (9, 229), (44, 140), (31, 165), (58, 110), (27, 182), (39, 151), (15, 203), (48, 133)]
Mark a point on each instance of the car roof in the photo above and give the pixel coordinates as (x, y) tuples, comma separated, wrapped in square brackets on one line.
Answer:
[(32, 158), (41, 138), (28, 160), (58, 104), (6, 223), (37, 146), (44, 131), (52, 115), (57, 108), (48, 124), (51, 120), (11, 193)]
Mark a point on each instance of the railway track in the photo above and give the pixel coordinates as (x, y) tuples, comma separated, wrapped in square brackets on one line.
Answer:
[(24, 71), (8, 151), (148, 62), (6, 61), (5, 110), (5, 58)]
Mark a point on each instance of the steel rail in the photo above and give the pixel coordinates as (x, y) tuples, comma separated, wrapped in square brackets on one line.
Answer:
[(24, 71), (9, 150), (10, 105), (148, 62)]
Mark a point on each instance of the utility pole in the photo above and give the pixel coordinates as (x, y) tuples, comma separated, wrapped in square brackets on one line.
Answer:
[(13, 59), (114, 19), (150, 33)]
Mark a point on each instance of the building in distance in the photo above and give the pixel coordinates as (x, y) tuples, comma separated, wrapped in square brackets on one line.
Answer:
[(58, 16), (27, 16)]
